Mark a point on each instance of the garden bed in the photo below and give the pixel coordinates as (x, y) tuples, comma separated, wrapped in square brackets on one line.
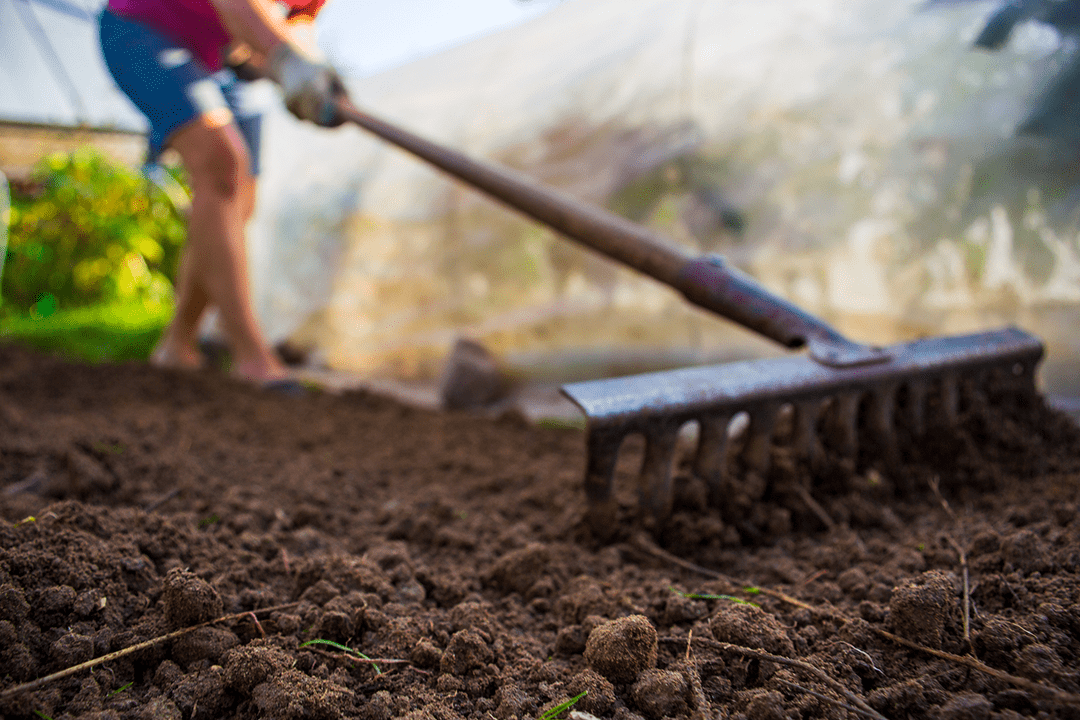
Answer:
[(451, 549)]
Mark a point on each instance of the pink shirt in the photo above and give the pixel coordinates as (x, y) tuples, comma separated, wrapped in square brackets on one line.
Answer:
[(193, 23)]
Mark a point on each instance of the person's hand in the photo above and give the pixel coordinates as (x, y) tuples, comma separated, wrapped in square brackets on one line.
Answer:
[(239, 58), (312, 87)]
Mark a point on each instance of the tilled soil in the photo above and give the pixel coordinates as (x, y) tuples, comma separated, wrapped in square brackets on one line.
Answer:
[(453, 550)]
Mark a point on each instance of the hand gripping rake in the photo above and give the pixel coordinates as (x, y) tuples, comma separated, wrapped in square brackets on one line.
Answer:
[(839, 382)]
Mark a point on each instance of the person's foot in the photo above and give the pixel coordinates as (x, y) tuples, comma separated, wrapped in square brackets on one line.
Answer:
[(260, 371), (176, 356)]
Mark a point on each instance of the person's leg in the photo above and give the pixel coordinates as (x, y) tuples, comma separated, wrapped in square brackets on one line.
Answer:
[(178, 347), (214, 268), (188, 110)]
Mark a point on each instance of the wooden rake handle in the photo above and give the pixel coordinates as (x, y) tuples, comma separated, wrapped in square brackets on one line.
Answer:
[(707, 281)]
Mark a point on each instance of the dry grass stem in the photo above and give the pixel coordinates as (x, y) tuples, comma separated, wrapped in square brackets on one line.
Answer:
[(815, 507), (1058, 694), (935, 487), (34, 684), (967, 588), (792, 663), (357, 660), (825, 698), (258, 625), (643, 543)]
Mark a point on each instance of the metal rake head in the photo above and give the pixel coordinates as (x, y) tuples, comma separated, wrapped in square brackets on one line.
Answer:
[(846, 403)]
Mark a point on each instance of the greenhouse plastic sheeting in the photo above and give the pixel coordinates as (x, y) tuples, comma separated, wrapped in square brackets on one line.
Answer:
[(857, 156)]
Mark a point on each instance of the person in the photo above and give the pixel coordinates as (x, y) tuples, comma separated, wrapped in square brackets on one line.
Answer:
[(169, 57)]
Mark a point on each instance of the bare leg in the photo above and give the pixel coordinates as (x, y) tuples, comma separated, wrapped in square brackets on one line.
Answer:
[(214, 267)]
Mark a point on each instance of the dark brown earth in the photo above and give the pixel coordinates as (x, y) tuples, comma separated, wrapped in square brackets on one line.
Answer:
[(453, 549)]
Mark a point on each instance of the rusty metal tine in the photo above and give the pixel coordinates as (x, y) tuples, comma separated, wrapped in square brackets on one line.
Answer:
[(806, 442), (654, 484), (917, 390), (603, 454), (847, 423), (950, 398), (1026, 377), (980, 382), (664, 401), (882, 408), (758, 452), (710, 461), (881, 418), (1020, 377)]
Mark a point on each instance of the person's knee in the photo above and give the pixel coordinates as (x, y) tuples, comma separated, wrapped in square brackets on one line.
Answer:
[(223, 171), (217, 160)]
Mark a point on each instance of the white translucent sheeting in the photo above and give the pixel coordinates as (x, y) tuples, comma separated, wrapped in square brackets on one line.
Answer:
[(867, 148)]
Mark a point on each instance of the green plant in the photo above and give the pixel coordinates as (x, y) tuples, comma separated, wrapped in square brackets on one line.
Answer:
[(120, 689), (343, 648), (209, 520), (93, 231), (559, 709), (709, 596)]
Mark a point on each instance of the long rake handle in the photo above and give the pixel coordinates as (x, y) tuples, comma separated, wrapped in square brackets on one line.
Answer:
[(707, 281)]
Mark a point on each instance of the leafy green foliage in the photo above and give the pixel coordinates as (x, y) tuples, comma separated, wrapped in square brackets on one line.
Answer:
[(95, 232)]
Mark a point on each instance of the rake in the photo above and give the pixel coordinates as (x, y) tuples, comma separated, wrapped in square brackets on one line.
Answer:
[(839, 391)]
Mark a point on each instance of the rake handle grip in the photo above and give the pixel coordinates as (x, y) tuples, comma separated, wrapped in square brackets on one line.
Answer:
[(706, 281)]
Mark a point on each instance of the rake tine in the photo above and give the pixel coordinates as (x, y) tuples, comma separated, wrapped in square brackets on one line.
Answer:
[(950, 398), (1025, 376), (654, 484), (658, 404), (882, 410), (758, 452), (603, 454), (710, 462), (979, 385), (806, 438), (917, 391), (847, 424)]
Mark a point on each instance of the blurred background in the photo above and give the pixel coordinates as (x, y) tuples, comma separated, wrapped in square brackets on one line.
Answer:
[(901, 167)]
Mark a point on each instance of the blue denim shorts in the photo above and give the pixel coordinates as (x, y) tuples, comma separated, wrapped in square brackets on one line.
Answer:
[(170, 86)]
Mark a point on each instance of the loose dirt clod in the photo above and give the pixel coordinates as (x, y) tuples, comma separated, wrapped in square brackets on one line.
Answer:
[(189, 600), (466, 651), (919, 608), (621, 649), (251, 665), (766, 706), (599, 695), (752, 627), (661, 693), (292, 694), (206, 643)]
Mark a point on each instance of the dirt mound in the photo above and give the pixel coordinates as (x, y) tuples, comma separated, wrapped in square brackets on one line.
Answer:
[(451, 551)]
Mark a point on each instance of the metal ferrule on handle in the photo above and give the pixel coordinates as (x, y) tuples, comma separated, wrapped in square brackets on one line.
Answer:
[(705, 281)]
